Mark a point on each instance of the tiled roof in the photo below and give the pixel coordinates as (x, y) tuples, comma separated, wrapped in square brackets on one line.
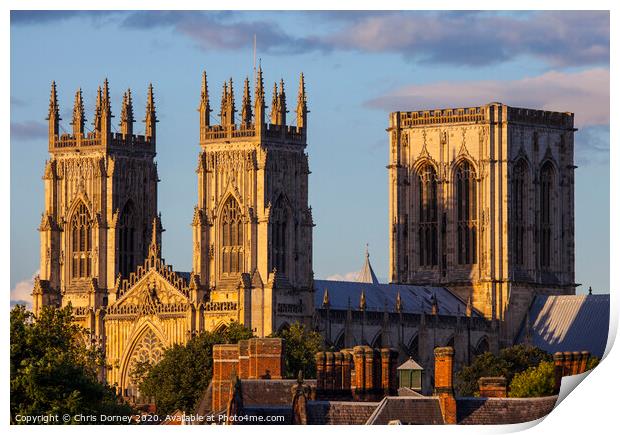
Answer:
[(568, 323), (367, 274), (482, 410), (415, 299), (408, 410), (410, 364)]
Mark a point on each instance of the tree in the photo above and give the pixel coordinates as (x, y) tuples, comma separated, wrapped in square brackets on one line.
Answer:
[(511, 360), (53, 370), (536, 381), (180, 378), (300, 347)]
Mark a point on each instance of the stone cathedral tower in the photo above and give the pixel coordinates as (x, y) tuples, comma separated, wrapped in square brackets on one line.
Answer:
[(252, 226), (482, 202), (100, 205)]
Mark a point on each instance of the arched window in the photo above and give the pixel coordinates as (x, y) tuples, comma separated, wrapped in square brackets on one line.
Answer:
[(519, 211), (232, 237), (465, 179), (427, 216), (546, 215), (482, 346), (278, 236), (127, 240), (81, 243)]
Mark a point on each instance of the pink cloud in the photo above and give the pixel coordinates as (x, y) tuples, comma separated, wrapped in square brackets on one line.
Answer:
[(586, 93)]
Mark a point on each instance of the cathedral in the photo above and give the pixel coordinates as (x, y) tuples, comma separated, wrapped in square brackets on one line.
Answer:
[(481, 221)]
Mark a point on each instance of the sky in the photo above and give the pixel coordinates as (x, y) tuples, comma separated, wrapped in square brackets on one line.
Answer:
[(359, 66)]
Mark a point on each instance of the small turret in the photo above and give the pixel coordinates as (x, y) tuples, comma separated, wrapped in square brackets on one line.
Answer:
[(106, 114), (53, 115), (127, 119), (151, 118), (246, 106), (227, 108), (273, 115), (98, 109), (204, 108), (302, 108), (78, 114), (278, 105)]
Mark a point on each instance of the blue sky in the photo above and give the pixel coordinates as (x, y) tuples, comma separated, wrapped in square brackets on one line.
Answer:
[(359, 66)]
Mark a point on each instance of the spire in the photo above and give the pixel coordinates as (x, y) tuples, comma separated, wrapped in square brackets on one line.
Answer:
[(246, 105), (367, 274), (106, 113), (302, 108), (205, 107), (259, 101), (278, 105), (52, 115), (399, 303), (227, 108), (127, 119), (326, 299), (273, 115), (97, 120), (363, 301), (78, 114), (155, 245), (150, 118)]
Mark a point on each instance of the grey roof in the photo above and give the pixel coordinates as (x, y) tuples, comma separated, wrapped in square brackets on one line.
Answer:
[(410, 364), (414, 299), (367, 274), (568, 323)]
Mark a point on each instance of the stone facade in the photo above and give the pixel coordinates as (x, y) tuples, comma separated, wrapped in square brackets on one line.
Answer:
[(482, 202)]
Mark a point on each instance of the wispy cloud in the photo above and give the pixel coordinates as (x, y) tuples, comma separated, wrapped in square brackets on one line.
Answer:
[(586, 93), (22, 292), (28, 130), (348, 276), (558, 38)]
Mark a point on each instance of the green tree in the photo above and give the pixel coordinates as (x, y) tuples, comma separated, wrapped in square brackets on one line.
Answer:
[(53, 370), (179, 380), (300, 347), (534, 382), (510, 361)]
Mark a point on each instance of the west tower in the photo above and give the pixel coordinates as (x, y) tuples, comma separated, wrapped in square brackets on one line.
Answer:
[(482, 201), (100, 204), (252, 226)]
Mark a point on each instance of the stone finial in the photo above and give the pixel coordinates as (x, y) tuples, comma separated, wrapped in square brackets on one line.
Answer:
[(227, 106), (205, 107), (53, 115), (154, 246), (363, 301), (302, 108), (98, 111), (590, 290), (151, 117), (127, 118), (107, 106), (434, 305), (273, 115), (326, 299), (399, 303), (259, 100), (469, 307), (246, 105), (78, 113)]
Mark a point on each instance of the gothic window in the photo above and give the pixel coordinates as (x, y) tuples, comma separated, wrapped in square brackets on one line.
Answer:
[(127, 241), (147, 352), (232, 237), (278, 236), (466, 224), (546, 215), (519, 211), (81, 243), (427, 216)]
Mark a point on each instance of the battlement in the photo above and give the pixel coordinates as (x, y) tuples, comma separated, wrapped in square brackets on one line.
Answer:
[(101, 136), (252, 124), (481, 114)]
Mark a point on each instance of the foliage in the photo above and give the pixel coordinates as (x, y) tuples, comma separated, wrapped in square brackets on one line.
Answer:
[(53, 370), (300, 347), (511, 360), (534, 382), (592, 362), (179, 380)]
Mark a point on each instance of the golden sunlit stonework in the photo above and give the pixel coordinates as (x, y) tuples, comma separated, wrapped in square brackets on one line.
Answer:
[(481, 220)]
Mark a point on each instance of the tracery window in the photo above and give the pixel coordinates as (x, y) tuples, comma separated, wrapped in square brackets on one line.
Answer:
[(546, 215), (81, 243), (127, 241), (278, 236), (232, 237), (466, 223), (427, 218), (519, 210)]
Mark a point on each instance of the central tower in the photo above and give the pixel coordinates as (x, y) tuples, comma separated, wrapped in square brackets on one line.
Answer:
[(252, 226)]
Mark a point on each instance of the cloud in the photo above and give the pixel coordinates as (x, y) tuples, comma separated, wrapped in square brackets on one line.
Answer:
[(481, 38), (17, 102), (30, 17), (592, 146), (349, 276), (21, 293), (28, 130), (586, 93)]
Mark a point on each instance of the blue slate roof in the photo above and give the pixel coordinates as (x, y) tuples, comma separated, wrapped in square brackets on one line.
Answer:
[(414, 299), (568, 323)]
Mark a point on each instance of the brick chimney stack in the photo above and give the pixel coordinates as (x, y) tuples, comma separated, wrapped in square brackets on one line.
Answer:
[(444, 362)]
